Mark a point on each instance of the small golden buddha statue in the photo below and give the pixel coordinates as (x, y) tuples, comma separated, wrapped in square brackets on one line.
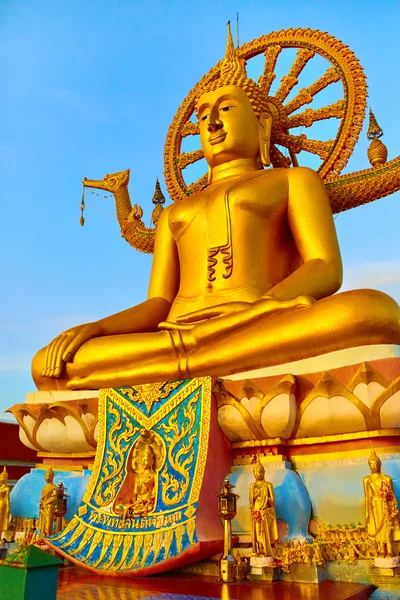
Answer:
[(138, 493), (144, 492), (4, 501), (243, 273), (264, 531), (381, 510), (47, 505)]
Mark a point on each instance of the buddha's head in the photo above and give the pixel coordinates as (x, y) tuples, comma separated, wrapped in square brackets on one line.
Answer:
[(233, 115), (259, 471), (49, 475), (148, 458), (374, 462)]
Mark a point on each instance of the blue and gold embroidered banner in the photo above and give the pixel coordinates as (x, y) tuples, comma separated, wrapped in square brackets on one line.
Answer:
[(139, 509)]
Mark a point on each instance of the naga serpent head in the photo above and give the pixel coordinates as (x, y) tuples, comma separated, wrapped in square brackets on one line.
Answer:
[(110, 183)]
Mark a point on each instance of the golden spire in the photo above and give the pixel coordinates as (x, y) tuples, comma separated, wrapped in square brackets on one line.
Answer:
[(5, 474), (158, 197), (377, 151), (374, 131), (158, 201)]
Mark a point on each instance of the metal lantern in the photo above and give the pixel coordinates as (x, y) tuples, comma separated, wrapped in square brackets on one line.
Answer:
[(60, 505), (227, 501), (227, 506)]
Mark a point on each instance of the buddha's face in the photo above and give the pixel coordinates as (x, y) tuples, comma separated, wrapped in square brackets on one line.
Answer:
[(374, 466), (48, 477), (148, 460), (258, 473), (229, 128)]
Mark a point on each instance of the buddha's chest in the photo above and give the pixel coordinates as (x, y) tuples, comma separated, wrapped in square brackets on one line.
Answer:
[(375, 483), (257, 490), (226, 209), (145, 482)]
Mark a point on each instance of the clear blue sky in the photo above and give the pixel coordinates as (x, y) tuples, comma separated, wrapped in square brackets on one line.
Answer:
[(90, 87)]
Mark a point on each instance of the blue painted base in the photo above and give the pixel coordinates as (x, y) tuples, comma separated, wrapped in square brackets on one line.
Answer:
[(386, 591), (335, 487), (25, 496)]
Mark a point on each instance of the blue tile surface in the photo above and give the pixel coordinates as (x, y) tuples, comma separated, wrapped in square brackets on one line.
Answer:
[(380, 594)]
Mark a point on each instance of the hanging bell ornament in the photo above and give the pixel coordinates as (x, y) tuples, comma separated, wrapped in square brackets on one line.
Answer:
[(82, 207)]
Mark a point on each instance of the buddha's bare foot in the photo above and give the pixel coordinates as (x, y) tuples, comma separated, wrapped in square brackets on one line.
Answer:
[(220, 310), (133, 373), (82, 383), (171, 325)]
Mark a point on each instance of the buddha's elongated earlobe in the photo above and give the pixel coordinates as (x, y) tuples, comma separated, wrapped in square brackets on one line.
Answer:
[(265, 128), (209, 175)]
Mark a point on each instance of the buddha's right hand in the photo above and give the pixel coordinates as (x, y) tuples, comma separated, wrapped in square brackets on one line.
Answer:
[(63, 348)]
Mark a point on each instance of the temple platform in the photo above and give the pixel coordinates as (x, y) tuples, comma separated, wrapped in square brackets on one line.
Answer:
[(76, 584)]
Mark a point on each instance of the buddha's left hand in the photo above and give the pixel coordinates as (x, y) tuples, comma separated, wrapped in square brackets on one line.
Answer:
[(240, 312)]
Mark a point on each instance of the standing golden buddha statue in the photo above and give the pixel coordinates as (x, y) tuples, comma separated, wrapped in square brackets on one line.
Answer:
[(243, 273), (264, 531), (47, 505), (4, 501), (381, 510)]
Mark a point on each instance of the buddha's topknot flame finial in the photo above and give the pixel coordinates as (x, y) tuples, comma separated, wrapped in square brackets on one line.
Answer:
[(232, 69), (258, 463), (5, 474), (373, 457), (233, 72), (50, 473)]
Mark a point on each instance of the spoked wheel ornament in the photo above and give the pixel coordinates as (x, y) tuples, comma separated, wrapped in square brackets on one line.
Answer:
[(287, 145)]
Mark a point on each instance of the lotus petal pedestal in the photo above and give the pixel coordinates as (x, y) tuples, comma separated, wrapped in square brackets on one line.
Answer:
[(321, 416)]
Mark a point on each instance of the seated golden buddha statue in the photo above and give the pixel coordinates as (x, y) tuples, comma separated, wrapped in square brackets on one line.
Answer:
[(138, 493), (243, 273)]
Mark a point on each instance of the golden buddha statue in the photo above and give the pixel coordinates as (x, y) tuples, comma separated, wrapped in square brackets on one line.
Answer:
[(264, 530), (243, 273), (145, 492), (381, 510), (138, 493), (4, 501), (47, 505)]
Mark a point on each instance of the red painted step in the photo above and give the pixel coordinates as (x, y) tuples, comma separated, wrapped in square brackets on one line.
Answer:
[(76, 584)]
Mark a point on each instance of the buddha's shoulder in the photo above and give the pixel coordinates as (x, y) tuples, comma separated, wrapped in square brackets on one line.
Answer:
[(304, 174), (293, 174), (166, 215), (178, 210)]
